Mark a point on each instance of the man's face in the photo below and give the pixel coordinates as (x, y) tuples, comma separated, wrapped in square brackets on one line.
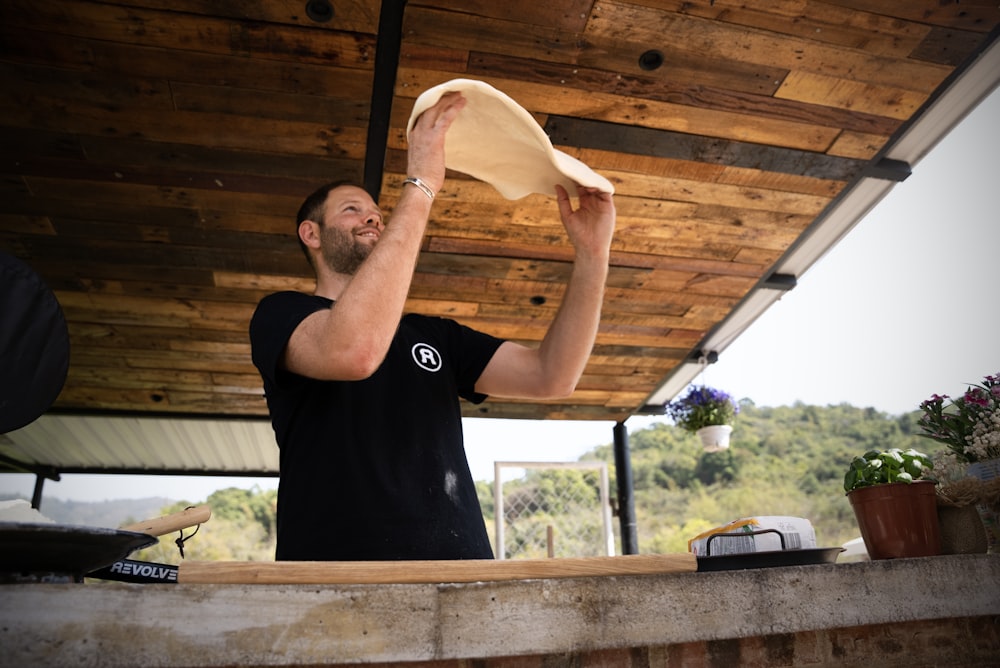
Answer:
[(351, 227)]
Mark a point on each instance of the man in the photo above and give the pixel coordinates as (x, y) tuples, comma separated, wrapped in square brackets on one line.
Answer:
[(364, 401)]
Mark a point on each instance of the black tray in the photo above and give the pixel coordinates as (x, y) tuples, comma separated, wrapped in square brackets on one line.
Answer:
[(775, 558), (770, 559), (59, 548)]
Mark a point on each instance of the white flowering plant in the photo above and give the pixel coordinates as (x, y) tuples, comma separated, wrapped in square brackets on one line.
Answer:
[(969, 425)]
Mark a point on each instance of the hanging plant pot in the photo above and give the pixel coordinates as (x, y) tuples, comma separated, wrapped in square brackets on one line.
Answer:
[(898, 519), (715, 437)]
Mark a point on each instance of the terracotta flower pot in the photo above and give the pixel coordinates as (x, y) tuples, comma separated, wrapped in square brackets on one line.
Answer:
[(898, 520)]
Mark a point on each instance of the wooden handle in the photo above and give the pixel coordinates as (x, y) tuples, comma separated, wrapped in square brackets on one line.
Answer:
[(173, 522), (427, 572)]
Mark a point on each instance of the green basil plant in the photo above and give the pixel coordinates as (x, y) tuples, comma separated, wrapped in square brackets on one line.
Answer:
[(881, 467)]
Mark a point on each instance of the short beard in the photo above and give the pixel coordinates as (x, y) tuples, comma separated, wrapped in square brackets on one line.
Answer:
[(341, 252)]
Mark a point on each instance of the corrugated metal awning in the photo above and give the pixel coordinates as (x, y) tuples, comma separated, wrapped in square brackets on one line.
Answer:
[(141, 445)]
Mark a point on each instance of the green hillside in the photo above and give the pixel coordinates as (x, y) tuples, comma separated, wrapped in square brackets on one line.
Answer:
[(782, 461)]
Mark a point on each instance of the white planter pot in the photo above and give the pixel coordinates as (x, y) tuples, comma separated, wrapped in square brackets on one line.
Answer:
[(715, 437)]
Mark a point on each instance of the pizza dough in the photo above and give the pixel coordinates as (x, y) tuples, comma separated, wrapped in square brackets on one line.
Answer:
[(496, 140)]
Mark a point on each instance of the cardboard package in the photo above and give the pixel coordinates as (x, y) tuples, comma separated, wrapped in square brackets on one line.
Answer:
[(797, 532)]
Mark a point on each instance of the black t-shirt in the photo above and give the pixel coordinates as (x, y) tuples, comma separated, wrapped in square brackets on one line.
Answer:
[(375, 469)]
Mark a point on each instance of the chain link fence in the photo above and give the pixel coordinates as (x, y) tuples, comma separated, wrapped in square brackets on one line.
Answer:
[(557, 509)]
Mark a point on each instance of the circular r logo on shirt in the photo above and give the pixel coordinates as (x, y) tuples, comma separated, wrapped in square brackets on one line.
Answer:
[(426, 357)]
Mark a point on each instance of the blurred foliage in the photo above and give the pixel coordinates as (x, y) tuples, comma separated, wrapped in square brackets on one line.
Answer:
[(241, 528), (788, 460)]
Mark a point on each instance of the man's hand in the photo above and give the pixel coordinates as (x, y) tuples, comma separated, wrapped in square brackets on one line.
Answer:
[(552, 370), (425, 155), (592, 225)]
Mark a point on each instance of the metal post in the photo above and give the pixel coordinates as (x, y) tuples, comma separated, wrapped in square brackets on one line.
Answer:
[(626, 496), (36, 497), (609, 534), (498, 512), (387, 48)]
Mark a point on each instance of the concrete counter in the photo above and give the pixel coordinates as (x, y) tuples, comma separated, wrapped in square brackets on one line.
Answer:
[(931, 611)]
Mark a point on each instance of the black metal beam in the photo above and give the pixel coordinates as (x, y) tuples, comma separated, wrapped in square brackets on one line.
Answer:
[(889, 170), (626, 493), (192, 473), (607, 136), (36, 494), (10, 465), (387, 48), (778, 281)]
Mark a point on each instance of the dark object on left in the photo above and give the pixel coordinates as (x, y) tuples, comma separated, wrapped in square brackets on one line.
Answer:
[(64, 549), (34, 345)]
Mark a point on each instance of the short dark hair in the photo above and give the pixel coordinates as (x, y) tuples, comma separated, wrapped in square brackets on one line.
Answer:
[(312, 208)]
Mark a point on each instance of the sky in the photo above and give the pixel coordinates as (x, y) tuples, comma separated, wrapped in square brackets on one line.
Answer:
[(902, 308)]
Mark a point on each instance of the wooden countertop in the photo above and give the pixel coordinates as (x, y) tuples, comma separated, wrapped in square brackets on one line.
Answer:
[(827, 610), (428, 572)]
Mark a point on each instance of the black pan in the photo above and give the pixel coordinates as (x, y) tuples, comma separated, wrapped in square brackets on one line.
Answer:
[(770, 559), (64, 549)]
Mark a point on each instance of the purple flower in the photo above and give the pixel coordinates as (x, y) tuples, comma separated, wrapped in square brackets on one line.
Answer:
[(702, 406), (956, 423), (977, 396)]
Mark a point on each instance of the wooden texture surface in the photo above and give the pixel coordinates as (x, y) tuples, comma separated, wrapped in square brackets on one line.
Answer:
[(183, 519), (155, 153), (427, 572)]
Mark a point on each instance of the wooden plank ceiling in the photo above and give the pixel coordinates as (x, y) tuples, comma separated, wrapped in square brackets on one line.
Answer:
[(155, 152)]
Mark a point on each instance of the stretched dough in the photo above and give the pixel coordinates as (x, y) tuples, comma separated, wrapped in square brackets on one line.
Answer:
[(496, 140)]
